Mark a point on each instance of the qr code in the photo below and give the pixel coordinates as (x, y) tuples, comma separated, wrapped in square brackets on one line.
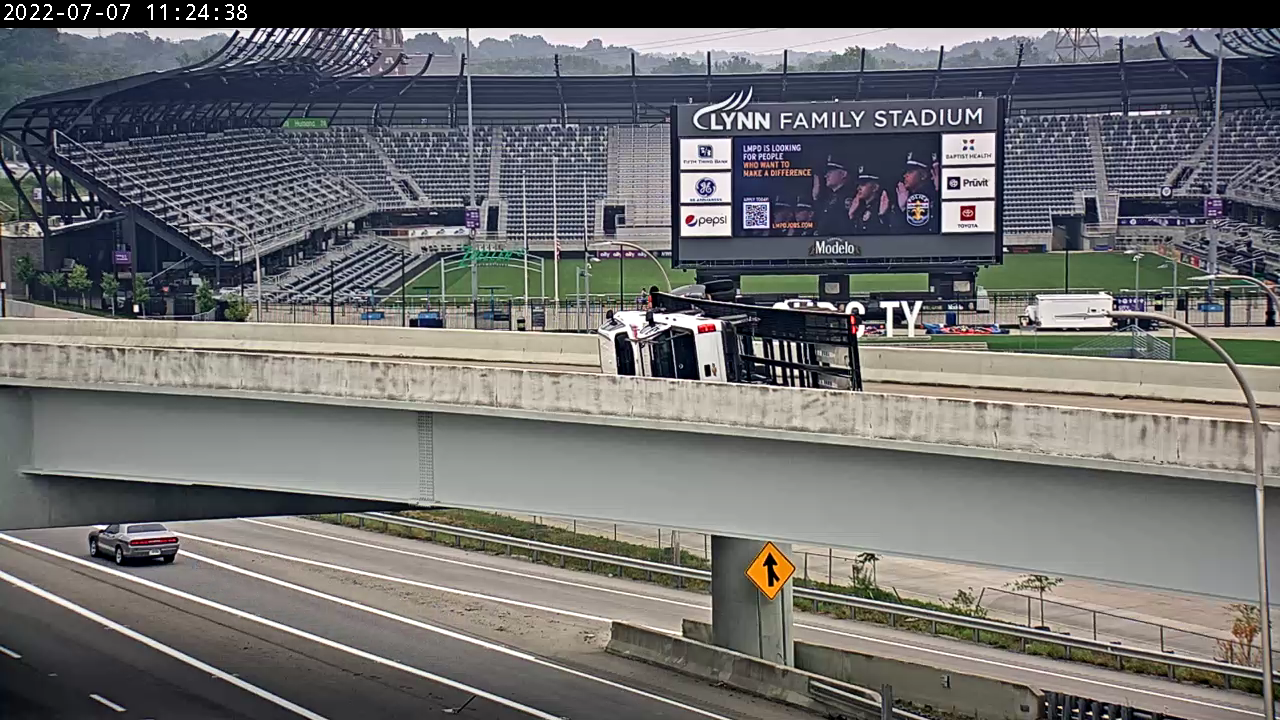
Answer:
[(755, 216)]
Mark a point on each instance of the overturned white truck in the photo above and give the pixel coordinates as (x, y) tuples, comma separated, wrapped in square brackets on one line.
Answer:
[(689, 335)]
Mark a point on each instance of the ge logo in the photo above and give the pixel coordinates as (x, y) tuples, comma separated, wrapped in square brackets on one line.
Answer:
[(706, 187)]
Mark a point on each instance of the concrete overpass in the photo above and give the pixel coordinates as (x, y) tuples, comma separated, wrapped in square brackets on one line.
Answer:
[(181, 410)]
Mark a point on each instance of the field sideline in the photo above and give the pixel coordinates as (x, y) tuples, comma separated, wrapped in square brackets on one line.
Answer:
[(1109, 271)]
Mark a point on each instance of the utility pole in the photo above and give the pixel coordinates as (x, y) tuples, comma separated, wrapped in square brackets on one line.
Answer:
[(471, 169)]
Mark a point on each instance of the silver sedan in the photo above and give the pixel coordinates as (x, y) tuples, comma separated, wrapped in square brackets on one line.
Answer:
[(140, 541)]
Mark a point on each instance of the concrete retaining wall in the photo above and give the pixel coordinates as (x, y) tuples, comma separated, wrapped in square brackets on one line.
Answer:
[(743, 672), (534, 348), (921, 685), (1200, 382), (1105, 439), (22, 309)]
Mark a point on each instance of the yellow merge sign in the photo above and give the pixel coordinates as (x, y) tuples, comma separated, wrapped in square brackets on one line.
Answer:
[(770, 570)]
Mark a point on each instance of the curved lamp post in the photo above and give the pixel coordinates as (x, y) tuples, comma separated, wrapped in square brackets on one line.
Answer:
[(633, 246), (1260, 488)]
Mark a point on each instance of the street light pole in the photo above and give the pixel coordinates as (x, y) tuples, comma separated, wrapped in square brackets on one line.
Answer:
[(257, 256), (641, 250), (1260, 497), (1213, 177), (471, 171)]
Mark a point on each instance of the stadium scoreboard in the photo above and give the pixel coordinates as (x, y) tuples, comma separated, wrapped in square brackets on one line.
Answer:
[(870, 186)]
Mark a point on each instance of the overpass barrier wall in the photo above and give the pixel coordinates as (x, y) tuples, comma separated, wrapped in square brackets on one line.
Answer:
[(569, 350), (1148, 379), (1205, 448)]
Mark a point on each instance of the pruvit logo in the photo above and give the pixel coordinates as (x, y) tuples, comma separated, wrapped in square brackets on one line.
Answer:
[(969, 149), (730, 115), (706, 188), (705, 222), (965, 183), (834, 247), (702, 154), (971, 216)]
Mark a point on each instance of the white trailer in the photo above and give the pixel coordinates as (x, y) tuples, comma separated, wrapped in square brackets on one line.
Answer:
[(1075, 311)]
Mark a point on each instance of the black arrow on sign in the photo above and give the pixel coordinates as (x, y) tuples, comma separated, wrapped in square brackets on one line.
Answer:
[(769, 563)]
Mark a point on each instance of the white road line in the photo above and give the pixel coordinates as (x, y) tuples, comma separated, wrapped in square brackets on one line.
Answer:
[(393, 578), (505, 702), (478, 566), (818, 628), (107, 702), (153, 644), (6, 651), (503, 649)]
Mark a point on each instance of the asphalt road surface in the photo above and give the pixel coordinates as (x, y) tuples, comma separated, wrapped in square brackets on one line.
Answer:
[(229, 634), (532, 634)]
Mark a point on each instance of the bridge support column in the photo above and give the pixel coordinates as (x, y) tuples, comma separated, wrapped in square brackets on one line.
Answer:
[(742, 618)]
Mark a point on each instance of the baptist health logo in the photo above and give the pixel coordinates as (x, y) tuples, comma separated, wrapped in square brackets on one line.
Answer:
[(968, 145), (729, 114)]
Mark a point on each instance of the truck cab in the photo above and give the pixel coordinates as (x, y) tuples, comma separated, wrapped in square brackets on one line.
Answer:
[(645, 343)]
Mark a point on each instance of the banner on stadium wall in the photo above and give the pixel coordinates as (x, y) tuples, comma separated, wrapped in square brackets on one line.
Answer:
[(305, 123)]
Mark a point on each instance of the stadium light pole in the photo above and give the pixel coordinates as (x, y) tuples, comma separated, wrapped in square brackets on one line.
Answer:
[(1259, 484), (471, 171), (639, 249), (257, 256), (1215, 201)]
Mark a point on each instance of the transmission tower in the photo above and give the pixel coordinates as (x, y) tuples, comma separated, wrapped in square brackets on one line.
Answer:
[(390, 43), (1077, 44)]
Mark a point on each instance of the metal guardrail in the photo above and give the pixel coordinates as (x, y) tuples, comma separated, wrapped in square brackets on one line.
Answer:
[(893, 610)]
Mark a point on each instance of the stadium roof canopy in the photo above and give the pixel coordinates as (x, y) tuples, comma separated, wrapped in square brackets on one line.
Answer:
[(271, 74)]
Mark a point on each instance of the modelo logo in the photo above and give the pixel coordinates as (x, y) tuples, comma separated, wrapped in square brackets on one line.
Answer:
[(834, 246), (729, 115), (704, 220)]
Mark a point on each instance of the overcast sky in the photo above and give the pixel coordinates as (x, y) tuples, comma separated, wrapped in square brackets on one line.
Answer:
[(760, 40)]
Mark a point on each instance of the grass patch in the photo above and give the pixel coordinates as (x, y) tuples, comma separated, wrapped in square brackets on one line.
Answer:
[(513, 527), (1110, 271)]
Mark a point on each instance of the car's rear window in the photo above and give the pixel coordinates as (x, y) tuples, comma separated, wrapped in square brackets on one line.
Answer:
[(149, 527)]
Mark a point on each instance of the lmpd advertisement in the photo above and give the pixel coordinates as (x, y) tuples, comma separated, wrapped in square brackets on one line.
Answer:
[(844, 182)]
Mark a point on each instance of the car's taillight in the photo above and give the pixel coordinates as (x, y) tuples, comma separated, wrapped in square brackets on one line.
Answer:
[(153, 541), (706, 328)]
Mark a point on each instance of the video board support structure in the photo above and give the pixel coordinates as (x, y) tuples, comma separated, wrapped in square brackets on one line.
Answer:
[(837, 188)]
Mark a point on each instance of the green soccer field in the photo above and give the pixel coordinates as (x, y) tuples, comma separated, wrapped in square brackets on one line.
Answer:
[(1110, 272)]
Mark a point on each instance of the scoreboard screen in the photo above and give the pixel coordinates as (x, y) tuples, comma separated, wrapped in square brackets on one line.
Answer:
[(850, 186)]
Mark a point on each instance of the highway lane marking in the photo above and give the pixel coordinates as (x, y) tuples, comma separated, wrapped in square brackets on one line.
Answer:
[(477, 566), (149, 642), (387, 662), (406, 581), (818, 628), (106, 702), (6, 651), (445, 632)]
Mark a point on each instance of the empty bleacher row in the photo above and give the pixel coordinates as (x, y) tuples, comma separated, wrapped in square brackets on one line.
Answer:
[(437, 160), (1258, 183), (639, 175), (1244, 247), (560, 172), (249, 178), (1047, 159), (1247, 136), (1142, 150), (348, 152), (351, 272)]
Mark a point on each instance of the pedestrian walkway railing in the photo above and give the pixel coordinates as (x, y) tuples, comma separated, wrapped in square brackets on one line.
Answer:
[(898, 615)]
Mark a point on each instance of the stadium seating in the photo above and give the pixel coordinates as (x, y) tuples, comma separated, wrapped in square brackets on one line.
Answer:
[(246, 177), (1247, 137), (363, 265), (349, 152), (563, 171), (1141, 150), (639, 172), (1047, 159), (436, 160), (1258, 183)]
